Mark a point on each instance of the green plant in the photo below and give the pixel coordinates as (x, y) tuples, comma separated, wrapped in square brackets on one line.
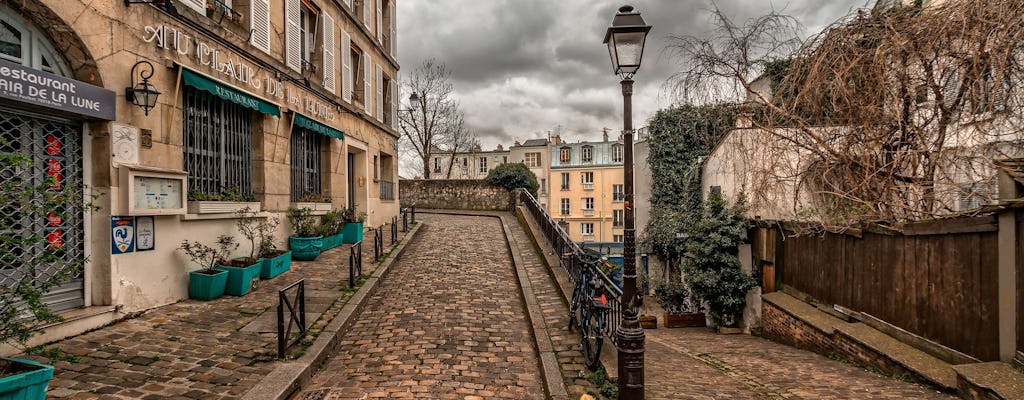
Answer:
[(22, 309), (232, 193), (332, 221), (513, 176), (352, 216), (675, 298), (304, 223), (249, 226), (266, 228), (712, 266), (313, 198), (208, 256)]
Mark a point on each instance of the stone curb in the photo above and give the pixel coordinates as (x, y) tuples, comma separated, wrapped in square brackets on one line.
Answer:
[(289, 377), (554, 385)]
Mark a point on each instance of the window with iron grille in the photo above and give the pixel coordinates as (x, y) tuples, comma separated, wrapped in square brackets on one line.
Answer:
[(307, 163), (217, 139)]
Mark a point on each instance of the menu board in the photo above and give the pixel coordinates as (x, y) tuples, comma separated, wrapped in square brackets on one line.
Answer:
[(153, 193)]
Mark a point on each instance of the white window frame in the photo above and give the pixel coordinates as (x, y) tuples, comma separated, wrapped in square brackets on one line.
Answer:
[(587, 229), (483, 165), (565, 181), (566, 206)]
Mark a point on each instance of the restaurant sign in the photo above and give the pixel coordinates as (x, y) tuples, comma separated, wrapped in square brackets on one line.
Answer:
[(41, 88)]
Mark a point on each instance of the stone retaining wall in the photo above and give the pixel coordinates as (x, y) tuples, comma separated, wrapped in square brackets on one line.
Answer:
[(455, 194)]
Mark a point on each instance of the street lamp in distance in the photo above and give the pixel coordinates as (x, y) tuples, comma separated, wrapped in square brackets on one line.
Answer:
[(625, 39)]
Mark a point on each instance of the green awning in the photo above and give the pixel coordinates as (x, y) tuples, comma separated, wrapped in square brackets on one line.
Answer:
[(303, 121), (228, 93)]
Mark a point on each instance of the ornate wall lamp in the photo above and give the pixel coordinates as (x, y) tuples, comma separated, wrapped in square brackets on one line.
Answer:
[(143, 93)]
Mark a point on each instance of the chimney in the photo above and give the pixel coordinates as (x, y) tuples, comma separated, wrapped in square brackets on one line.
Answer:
[(605, 134), (500, 147), (557, 139), (517, 143), (476, 148)]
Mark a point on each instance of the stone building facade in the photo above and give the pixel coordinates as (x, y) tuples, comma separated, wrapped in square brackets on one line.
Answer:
[(266, 102), (587, 192)]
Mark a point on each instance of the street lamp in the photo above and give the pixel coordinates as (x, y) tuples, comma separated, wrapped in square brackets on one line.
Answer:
[(625, 40)]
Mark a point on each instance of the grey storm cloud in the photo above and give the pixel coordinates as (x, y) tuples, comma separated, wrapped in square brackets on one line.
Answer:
[(522, 68)]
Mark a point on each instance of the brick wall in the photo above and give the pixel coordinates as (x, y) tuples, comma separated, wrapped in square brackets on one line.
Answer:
[(454, 194)]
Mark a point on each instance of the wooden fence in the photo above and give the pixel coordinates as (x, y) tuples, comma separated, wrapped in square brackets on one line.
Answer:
[(937, 280)]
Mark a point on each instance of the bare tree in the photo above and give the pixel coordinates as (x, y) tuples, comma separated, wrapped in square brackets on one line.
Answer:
[(435, 123), (896, 113)]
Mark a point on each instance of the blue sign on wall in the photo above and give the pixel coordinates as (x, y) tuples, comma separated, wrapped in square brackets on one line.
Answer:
[(122, 235)]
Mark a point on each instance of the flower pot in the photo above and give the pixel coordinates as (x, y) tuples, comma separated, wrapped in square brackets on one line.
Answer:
[(684, 320), (274, 266), (305, 248), (205, 284), (333, 241), (648, 321), (28, 382), (241, 279), (353, 232)]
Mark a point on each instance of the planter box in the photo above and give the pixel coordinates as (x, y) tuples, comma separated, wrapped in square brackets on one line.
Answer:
[(648, 321), (221, 207), (203, 286), (272, 267), (29, 384), (353, 232), (312, 206), (333, 241), (241, 279), (685, 320), (725, 330), (305, 248)]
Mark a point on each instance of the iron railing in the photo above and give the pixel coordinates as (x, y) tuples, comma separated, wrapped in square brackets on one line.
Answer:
[(574, 259), (387, 191), (394, 229), (355, 263), (296, 316)]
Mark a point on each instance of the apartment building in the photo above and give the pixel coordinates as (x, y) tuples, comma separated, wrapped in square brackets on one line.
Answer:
[(473, 164), (165, 110), (587, 192), (534, 153)]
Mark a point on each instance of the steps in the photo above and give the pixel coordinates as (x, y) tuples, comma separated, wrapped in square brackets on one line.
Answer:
[(990, 380)]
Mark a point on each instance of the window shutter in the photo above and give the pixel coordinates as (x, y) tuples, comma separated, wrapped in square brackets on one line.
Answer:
[(198, 6), (348, 3), (367, 77), (394, 102), (394, 24), (259, 17), (292, 41), (330, 75), (367, 13), (380, 24), (379, 75), (346, 67)]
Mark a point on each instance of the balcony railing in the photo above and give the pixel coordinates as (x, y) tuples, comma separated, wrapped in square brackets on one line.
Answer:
[(588, 212), (387, 190), (574, 259), (588, 186)]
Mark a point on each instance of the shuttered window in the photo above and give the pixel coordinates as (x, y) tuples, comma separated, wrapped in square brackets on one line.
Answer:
[(379, 28), (198, 6), (306, 163), (259, 17), (330, 73), (217, 137), (379, 82), (293, 35), (368, 104), (346, 66), (393, 26), (367, 13), (394, 102)]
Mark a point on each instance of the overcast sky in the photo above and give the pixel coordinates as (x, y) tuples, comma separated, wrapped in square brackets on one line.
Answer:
[(523, 67)]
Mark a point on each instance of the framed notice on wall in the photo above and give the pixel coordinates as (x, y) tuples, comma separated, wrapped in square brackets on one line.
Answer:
[(145, 233), (153, 191)]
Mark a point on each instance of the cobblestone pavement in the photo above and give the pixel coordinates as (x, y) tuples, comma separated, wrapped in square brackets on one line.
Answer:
[(446, 323), (693, 363), (197, 349)]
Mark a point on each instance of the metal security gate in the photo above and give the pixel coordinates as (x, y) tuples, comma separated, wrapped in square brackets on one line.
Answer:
[(55, 150), (307, 162), (218, 144)]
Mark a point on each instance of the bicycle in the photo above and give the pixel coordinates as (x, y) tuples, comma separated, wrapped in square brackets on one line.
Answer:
[(588, 311)]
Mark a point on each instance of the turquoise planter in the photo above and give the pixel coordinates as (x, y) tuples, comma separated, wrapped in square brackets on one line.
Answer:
[(353, 232), (305, 248), (203, 286), (28, 385), (241, 279), (275, 266), (333, 241)]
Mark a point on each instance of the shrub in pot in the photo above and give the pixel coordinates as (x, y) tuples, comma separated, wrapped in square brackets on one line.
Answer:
[(274, 261), (331, 228), (306, 242), (353, 230), (208, 283), (244, 272), (681, 309), (22, 308)]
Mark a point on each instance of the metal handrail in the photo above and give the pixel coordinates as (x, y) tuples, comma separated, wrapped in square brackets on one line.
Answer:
[(574, 259), (296, 316), (355, 263)]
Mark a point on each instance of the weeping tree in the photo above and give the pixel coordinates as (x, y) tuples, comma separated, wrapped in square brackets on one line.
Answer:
[(435, 124), (893, 114)]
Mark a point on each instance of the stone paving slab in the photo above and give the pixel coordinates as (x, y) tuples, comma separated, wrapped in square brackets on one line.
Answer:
[(196, 349)]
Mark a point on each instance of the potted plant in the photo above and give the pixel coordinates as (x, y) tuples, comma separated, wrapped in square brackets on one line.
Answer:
[(354, 226), (22, 310), (331, 224), (275, 261), (681, 309), (244, 272), (207, 283), (229, 200), (306, 242)]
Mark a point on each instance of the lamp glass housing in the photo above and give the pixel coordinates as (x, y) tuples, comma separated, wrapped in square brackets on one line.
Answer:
[(625, 39)]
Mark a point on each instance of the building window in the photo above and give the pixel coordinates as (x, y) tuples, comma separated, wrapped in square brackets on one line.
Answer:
[(565, 207), (218, 144), (504, 159), (617, 153), (388, 93), (376, 165), (618, 238), (358, 83), (565, 181), (306, 165), (588, 180), (587, 228), (588, 203), (23, 44), (564, 154), (483, 165), (543, 186), (587, 154), (618, 194), (307, 24), (437, 165), (533, 160), (618, 217)]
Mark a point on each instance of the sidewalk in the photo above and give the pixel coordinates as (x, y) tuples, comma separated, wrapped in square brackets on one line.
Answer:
[(216, 349)]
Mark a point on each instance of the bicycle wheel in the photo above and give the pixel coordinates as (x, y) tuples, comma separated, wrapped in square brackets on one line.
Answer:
[(590, 332)]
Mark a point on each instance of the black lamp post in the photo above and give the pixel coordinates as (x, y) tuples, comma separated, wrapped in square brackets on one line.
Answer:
[(625, 40)]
